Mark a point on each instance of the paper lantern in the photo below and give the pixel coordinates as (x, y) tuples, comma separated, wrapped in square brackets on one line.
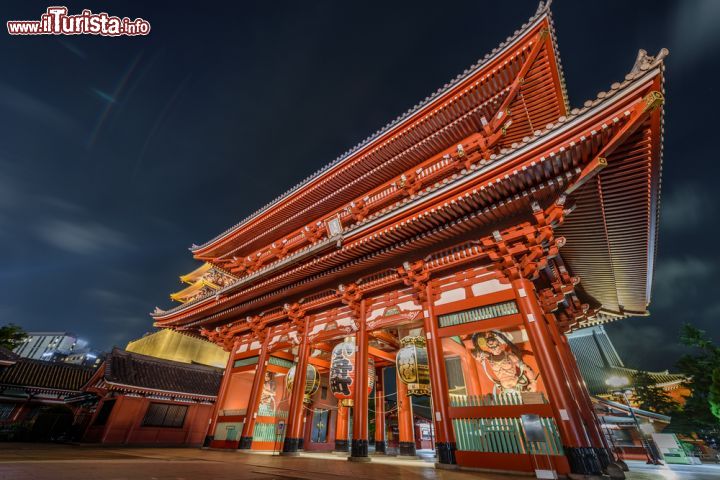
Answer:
[(342, 371), (412, 365), (312, 381)]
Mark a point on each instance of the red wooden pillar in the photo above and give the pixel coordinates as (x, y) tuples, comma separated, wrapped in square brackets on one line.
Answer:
[(359, 444), (221, 396), (582, 396), (406, 426), (295, 423), (246, 437), (341, 428), (581, 456), (444, 433), (379, 411)]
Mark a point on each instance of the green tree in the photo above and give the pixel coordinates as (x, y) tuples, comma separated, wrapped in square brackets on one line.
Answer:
[(11, 336), (700, 367), (714, 393), (651, 397)]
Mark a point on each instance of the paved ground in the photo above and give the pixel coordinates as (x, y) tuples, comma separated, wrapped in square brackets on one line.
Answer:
[(63, 462)]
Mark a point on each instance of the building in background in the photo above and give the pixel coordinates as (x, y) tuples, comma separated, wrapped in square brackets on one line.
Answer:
[(150, 401), (179, 347), (86, 358), (50, 346), (42, 400), (599, 361)]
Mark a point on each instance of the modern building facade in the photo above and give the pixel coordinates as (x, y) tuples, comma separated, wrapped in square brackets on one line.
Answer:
[(49, 346), (459, 244), (599, 361)]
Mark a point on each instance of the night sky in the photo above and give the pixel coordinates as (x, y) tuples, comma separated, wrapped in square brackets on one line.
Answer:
[(117, 154)]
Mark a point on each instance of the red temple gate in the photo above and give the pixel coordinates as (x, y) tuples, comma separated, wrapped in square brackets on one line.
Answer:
[(490, 219)]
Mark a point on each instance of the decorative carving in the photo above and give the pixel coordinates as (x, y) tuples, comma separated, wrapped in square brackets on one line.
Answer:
[(653, 100), (409, 183), (415, 275), (359, 209), (351, 296)]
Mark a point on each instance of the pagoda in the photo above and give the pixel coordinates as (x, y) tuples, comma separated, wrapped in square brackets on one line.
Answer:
[(460, 243)]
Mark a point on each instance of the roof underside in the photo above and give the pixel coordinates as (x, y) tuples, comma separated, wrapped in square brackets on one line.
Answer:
[(414, 137), (611, 233)]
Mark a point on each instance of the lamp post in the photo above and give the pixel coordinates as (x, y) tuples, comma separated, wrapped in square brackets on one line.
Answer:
[(619, 385)]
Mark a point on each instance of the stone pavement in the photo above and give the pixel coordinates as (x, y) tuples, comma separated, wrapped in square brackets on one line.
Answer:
[(64, 462)]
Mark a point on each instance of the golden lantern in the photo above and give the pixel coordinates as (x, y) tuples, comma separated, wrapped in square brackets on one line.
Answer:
[(342, 372), (312, 381), (412, 365)]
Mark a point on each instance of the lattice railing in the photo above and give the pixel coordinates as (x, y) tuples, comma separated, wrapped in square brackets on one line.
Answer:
[(504, 435)]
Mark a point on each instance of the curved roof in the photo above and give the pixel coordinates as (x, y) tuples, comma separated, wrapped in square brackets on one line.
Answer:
[(386, 153)]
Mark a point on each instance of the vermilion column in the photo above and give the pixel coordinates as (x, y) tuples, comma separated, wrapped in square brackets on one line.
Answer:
[(406, 426), (581, 456), (295, 424), (582, 396), (221, 396), (246, 437), (341, 429), (444, 434), (359, 445), (379, 411)]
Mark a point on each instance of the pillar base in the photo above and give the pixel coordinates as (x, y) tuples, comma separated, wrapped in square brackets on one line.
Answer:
[(245, 443), (341, 446), (583, 461), (208, 440), (446, 453), (380, 448), (406, 449), (615, 472), (290, 446), (301, 444), (359, 449), (447, 466), (359, 459)]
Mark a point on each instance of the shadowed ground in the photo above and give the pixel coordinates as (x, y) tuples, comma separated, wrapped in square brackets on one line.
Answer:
[(61, 462)]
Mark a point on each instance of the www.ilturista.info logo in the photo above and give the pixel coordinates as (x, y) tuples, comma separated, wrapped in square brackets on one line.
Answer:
[(56, 21)]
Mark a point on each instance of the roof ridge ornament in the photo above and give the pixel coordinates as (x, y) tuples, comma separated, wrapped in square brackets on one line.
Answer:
[(543, 7), (644, 62)]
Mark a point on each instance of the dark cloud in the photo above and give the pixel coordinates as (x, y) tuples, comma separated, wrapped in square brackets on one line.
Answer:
[(222, 108)]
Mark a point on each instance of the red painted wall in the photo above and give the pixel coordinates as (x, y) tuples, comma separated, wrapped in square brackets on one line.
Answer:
[(124, 425)]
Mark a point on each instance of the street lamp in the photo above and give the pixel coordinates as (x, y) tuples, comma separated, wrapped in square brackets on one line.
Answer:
[(620, 384)]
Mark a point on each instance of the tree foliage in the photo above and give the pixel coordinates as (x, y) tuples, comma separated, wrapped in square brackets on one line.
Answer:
[(702, 367), (651, 397), (11, 336)]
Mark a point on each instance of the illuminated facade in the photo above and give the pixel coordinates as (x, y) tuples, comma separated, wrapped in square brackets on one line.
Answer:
[(490, 220)]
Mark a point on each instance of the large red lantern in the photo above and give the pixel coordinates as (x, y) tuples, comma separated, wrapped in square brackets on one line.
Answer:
[(312, 381), (342, 371)]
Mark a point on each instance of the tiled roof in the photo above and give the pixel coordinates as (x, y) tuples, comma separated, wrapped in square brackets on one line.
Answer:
[(543, 10), (45, 375), (150, 373)]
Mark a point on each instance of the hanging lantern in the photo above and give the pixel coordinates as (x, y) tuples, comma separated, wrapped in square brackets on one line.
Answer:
[(342, 372), (412, 365), (312, 381)]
